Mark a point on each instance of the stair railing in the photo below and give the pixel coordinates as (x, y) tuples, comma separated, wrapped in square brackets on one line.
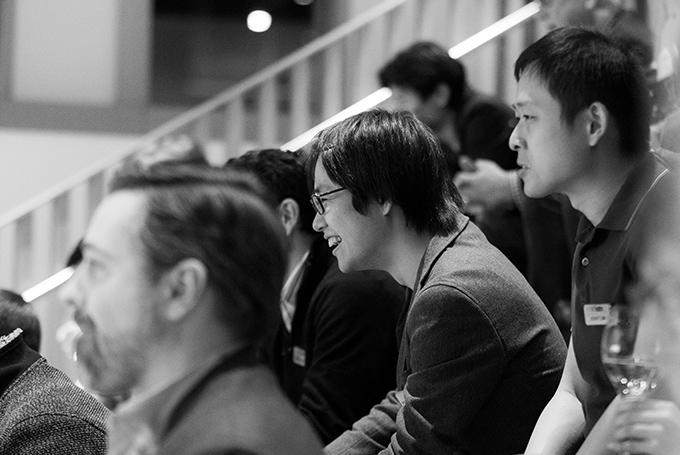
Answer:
[(311, 84)]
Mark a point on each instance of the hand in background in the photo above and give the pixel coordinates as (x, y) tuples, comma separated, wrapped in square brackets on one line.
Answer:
[(485, 184), (646, 426)]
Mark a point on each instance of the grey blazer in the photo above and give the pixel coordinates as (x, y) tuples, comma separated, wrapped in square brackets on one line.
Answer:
[(480, 357)]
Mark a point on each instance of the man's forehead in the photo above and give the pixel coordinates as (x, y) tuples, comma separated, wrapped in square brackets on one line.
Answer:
[(117, 221), (322, 181), (531, 90)]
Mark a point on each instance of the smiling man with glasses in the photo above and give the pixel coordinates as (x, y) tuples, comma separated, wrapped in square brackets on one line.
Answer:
[(318, 200), (479, 353), (333, 351)]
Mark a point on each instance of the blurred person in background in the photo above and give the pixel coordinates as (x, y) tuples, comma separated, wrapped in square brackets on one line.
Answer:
[(334, 350)]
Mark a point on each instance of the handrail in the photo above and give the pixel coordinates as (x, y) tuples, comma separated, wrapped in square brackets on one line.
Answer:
[(458, 51), (206, 107)]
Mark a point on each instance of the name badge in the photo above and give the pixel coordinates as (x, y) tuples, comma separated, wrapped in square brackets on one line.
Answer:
[(299, 356), (596, 313)]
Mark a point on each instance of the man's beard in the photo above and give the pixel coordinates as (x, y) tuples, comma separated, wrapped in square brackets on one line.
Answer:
[(110, 367)]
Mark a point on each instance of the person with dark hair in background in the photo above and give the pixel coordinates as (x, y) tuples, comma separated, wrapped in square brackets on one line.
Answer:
[(335, 348), (41, 409), (16, 313), (480, 355), (583, 131), (471, 126), (180, 278)]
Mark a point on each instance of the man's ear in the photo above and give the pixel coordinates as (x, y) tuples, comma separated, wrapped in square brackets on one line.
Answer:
[(441, 95), (386, 207), (289, 212), (597, 121), (185, 285)]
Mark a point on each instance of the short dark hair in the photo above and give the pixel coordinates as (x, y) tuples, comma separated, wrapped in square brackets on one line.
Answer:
[(178, 148), (422, 67), (223, 219), (390, 156), (581, 66), (16, 313), (283, 174)]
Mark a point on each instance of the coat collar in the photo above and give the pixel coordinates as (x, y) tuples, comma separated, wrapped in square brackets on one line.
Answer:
[(436, 248)]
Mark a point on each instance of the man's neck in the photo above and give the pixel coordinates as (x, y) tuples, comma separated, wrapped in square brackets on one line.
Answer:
[(189, 348), (410, 248), (594, 195), (447, 133), (300, 244)]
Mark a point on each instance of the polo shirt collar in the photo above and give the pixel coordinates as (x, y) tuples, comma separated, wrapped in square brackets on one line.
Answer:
[(630, 197)]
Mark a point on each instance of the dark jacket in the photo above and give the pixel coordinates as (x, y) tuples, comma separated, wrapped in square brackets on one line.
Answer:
[(42, 411), (480, 357), (232, 405), (340, 357)]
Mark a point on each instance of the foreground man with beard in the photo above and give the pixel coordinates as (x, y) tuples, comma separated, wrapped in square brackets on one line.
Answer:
[(181, 271)]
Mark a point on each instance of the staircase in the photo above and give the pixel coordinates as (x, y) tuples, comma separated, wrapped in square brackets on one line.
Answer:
[(334, 74)]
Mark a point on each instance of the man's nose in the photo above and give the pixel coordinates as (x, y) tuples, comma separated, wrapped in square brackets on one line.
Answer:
[(515, 140), (70, 293), (319, 223)]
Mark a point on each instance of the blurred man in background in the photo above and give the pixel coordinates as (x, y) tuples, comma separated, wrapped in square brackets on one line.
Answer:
[(335, 349)]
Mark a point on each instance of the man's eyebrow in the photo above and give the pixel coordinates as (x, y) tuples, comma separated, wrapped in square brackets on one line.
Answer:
[(88, 247), (519, 104)]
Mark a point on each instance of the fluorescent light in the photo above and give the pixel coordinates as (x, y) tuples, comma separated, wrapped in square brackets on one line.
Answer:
[(494, 30), (456, 51), (370, 101), (48, 284)]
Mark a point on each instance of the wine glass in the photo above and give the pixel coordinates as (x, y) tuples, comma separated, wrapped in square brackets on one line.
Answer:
[(629, 351)]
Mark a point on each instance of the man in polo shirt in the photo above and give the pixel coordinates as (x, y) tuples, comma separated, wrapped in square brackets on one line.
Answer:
[(583, 131)]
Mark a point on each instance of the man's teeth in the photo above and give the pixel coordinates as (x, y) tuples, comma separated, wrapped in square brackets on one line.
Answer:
[(334, 241)]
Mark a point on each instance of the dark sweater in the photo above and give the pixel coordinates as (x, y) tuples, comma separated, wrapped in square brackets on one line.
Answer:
[(42, 410)]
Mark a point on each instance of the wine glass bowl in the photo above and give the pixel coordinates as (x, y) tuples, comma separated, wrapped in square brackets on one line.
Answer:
[(629, 353)]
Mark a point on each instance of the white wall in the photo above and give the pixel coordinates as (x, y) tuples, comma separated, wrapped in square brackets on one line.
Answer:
[(33, 161), (65, 51)]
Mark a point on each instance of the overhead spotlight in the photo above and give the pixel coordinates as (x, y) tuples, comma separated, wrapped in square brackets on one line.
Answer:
[(304, 2), (259, 21)]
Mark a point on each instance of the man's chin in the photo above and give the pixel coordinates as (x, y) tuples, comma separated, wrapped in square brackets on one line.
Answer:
[(346, 266), (94, 374), (533, 191)]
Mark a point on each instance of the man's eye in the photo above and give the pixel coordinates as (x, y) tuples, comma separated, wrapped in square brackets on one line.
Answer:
[(92, 267)]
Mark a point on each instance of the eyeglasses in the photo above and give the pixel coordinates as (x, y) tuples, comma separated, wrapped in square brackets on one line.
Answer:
[(317, 200)]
